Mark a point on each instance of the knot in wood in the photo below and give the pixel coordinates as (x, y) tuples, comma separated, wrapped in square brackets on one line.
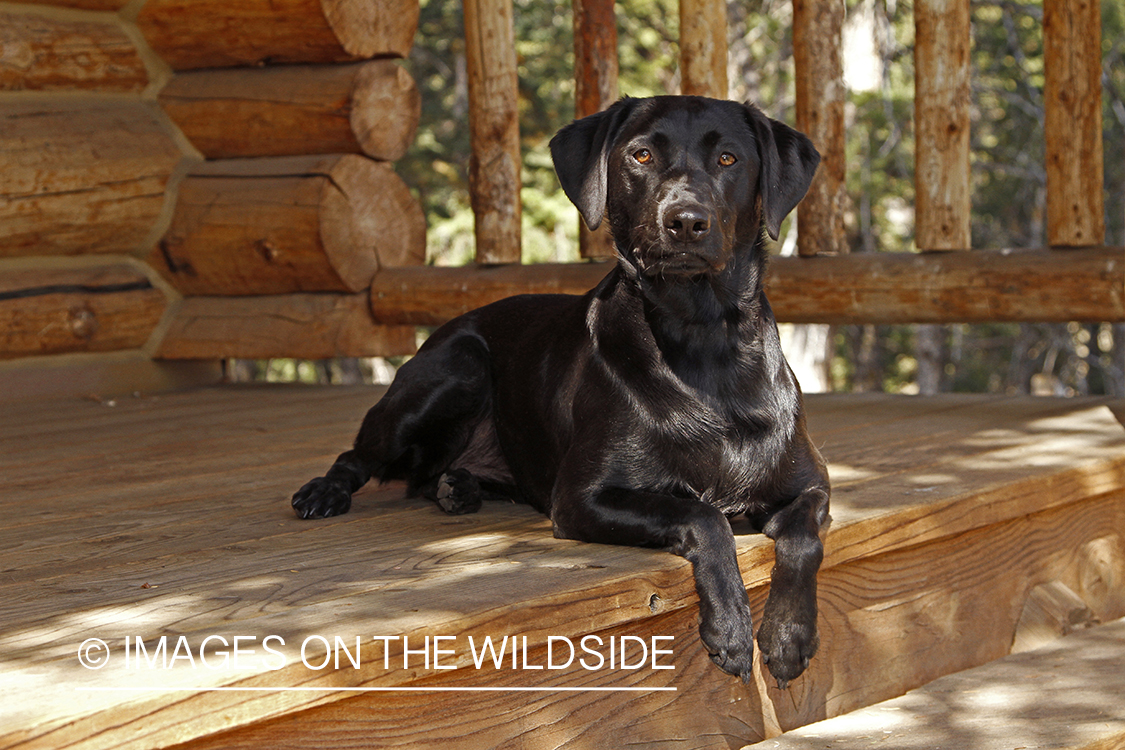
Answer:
[(268, 251), (83, 323)]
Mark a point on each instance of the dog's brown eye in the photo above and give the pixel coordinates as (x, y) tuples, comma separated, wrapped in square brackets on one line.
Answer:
[(644, 156), (727, 159)]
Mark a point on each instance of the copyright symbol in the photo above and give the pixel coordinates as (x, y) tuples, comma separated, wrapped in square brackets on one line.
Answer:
[(93, 653)]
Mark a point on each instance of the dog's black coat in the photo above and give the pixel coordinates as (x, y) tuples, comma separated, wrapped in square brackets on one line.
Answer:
[(651, 409)]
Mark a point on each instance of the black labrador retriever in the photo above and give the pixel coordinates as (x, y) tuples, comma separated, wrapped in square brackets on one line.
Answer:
[(654, 407)]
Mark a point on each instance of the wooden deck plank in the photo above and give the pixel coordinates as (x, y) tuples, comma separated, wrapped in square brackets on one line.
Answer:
[(189, 495), (895, 603), (1064, 696)]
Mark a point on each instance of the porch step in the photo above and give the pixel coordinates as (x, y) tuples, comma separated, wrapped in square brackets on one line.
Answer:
[(1069, 694)]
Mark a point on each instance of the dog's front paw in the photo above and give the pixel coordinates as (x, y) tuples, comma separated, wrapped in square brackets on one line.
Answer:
[(787, 646), (321, 498), (729, 640), (458, 492)]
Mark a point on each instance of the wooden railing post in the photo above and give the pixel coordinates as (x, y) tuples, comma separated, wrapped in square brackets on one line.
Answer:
[(941, 124), (817, 40), (494, 168), (595, 79), (703, 48), (1072, 39)]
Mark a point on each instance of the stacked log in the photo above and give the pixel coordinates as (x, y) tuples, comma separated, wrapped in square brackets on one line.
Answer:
[(99, 309), (82, 177), (191, 34), (43, 53), (297, 224), (261, 193), (371, 108)]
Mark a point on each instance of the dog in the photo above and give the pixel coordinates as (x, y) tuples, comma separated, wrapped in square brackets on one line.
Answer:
[(655, 407)]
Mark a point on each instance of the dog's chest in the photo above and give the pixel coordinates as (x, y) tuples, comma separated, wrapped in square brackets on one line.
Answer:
[(726, 460)]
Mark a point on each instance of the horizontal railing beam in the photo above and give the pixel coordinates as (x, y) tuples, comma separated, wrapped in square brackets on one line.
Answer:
[(985, 285)]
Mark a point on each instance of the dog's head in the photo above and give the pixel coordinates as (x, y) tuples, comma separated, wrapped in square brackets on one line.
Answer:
[(684, 181)]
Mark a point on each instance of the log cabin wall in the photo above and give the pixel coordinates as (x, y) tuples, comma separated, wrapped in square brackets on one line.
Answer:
[(201, 179)]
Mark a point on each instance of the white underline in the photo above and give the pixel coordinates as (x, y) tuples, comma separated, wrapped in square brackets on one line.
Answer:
[(377, 689)]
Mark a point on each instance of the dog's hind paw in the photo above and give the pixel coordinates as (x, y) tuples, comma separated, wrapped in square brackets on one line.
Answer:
[(321, 498), (458, 492)]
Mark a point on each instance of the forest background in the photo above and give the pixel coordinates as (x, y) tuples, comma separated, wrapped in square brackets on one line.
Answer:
[(1009, 179)]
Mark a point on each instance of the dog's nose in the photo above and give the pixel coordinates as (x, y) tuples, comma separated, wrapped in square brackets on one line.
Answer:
[(687, 223)]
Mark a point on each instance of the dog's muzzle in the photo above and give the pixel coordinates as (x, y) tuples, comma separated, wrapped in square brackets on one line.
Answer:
[(685, 241)]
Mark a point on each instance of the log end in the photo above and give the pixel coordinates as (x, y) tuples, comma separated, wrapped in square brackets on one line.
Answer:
[(370, 220), (366, 29), (386, 109)]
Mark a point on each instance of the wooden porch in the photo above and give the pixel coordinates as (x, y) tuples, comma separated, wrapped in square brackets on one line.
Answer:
[(167, 517), (188, 194)]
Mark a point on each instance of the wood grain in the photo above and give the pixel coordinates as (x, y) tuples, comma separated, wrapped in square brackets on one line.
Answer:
[(818, 63), (112, 5), (867, 288), (1072, 49), (97, 309), (494, 166), (1065, 696), (306, 326), (216, 33), (371, 108), (703, 48), (80, 176), (289, 224), (42, 53), (942, 100)]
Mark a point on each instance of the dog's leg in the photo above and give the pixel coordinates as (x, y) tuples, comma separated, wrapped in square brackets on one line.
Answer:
[(419, 427), (788, 635), (692, 529), (331, 494), (459, 491)]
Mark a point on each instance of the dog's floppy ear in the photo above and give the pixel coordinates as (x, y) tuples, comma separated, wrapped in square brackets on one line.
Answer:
[(789, 162), (581, 152)]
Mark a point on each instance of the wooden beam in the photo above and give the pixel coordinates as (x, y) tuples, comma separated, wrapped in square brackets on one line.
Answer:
[(371, 108), (83, 4), (494, 130), (44, 53), (1084, 285), (98, 309), (941, 124), (1072, 46), (703, 48), (289, 224), (817, 39), (306, 326), (978, 287), (81, 177), (220, 33), (595, 79), (1065, 696), (433, 295)]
